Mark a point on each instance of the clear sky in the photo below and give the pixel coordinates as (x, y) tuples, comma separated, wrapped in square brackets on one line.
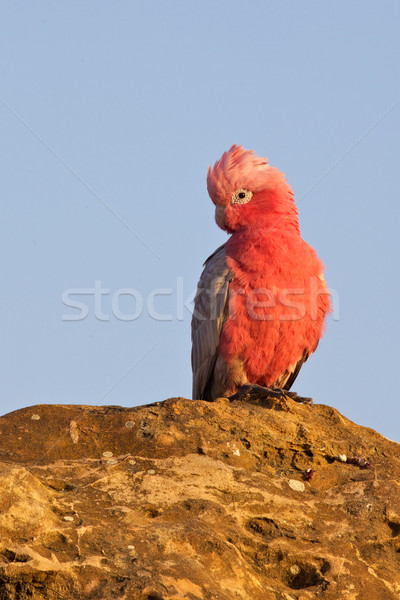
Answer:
[(110, 115)]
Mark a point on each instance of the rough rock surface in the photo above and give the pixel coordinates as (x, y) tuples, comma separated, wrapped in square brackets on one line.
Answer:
[(188, 499)]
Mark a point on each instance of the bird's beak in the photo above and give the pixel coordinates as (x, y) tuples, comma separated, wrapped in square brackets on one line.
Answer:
[(220, 216)]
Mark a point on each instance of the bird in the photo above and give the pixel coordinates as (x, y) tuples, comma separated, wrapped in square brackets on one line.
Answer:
[(262, 299)]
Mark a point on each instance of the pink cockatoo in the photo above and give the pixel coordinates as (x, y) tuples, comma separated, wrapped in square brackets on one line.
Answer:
[(262, 299)]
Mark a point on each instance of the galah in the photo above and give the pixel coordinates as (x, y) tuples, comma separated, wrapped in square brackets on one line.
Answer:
[(262, 299)]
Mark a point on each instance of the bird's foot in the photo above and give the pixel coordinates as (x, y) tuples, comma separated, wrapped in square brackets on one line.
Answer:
[(255, 391)]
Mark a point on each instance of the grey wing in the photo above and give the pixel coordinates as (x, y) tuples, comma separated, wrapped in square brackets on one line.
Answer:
[(287, 379), (209, 314)]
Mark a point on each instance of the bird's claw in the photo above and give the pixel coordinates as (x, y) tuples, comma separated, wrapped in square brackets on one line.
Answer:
[(300, 399), (257, 391), (264, 392)]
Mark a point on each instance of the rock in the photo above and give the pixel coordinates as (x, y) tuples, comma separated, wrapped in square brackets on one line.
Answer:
[(297, 485), (204, 501)]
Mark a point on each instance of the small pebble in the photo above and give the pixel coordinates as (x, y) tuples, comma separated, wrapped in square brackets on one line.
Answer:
[(132, 462), (144, 573), (295, 569), (35, 417), (130, 547), (151, 471), (68, 518), (298, 486), (130, 424), (108, 454), (342, 458), (112, 462), (308, 475), (233, 448)]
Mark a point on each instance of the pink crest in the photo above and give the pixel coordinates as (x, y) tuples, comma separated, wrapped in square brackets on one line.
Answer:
[(237, 168)]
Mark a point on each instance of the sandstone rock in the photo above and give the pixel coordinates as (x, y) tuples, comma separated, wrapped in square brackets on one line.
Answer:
[(188, 499)]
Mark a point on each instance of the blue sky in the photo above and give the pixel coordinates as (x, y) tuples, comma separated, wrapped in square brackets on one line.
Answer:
[(110, 116)]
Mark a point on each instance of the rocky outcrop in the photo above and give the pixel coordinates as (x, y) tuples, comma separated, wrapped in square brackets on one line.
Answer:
[(205, 501)]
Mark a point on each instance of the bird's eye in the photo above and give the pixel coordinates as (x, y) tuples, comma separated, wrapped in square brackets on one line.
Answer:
[(241, 196)]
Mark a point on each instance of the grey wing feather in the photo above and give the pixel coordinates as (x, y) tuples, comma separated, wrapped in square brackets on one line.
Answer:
[(209, 314), (292, 376)]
